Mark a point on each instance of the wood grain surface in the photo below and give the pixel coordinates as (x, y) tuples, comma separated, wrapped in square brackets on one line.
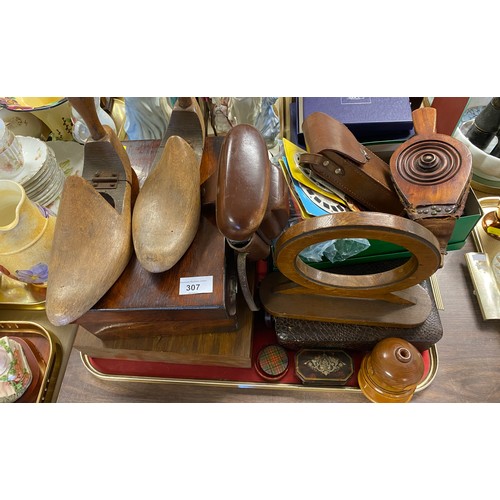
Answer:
[(203, 345), (90, 230), (126, 301)]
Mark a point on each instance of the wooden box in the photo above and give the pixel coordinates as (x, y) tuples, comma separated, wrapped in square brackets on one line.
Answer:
[(141, 303), (323, 367)]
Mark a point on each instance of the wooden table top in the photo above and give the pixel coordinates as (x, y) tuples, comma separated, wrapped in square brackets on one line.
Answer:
[(468, 369)]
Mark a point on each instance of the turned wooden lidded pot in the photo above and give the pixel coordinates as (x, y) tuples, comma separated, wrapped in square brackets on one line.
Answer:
[(391, 372)]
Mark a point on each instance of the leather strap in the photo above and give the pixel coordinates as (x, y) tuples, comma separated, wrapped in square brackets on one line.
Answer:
[(336, 156), (353, 181), (311, 159)]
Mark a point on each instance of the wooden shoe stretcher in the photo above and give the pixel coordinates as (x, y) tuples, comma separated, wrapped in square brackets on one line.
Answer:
[(252, 206), (92, 240), (167, 212)]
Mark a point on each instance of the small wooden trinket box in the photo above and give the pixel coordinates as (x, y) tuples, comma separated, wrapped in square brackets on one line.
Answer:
[(323, 367)]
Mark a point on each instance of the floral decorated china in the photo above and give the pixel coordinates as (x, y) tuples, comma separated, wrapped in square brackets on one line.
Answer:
[(15, 372), (55, 112), (30, 103)]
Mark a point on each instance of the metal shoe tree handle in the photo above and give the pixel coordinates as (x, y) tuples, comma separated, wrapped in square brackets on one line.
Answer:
[(85, 106), (187, 122), (424, 121)]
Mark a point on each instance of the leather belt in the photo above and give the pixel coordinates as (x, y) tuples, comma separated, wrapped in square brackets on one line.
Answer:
[(336, 156)]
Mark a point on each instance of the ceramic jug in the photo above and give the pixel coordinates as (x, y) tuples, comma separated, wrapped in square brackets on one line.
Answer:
[(26, 234)]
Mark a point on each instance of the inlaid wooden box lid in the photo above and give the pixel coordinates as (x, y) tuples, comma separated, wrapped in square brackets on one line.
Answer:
[(323, 366)]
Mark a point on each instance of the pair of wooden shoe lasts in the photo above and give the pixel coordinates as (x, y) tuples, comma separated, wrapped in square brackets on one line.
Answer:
[(96, 233)]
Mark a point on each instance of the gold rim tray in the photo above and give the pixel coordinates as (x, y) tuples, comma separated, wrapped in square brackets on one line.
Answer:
[(45, 347), (28, 301), (433, 368), (480, 264), (483, 242)]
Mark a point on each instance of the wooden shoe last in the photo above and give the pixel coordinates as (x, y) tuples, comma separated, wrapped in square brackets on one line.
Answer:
[(92, 240), (167, 213)]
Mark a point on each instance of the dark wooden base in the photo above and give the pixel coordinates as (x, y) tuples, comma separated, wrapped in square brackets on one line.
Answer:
[(142, 304), (200, 348)]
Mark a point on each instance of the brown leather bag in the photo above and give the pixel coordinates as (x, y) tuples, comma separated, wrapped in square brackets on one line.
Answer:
[(336, 156)]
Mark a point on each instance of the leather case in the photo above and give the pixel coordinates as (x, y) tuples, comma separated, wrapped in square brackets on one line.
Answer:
[(336, 156), (298, 334)]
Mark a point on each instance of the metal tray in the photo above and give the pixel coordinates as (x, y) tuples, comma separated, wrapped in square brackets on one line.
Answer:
[(481, 264), (17, 295), (40, 350), (485, 243), (431, 374)]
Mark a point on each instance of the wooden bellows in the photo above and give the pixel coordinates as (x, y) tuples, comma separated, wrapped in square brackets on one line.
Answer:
[(431, 173)]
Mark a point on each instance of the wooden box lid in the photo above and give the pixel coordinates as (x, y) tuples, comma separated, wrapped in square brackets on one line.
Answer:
[(323, 366)]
